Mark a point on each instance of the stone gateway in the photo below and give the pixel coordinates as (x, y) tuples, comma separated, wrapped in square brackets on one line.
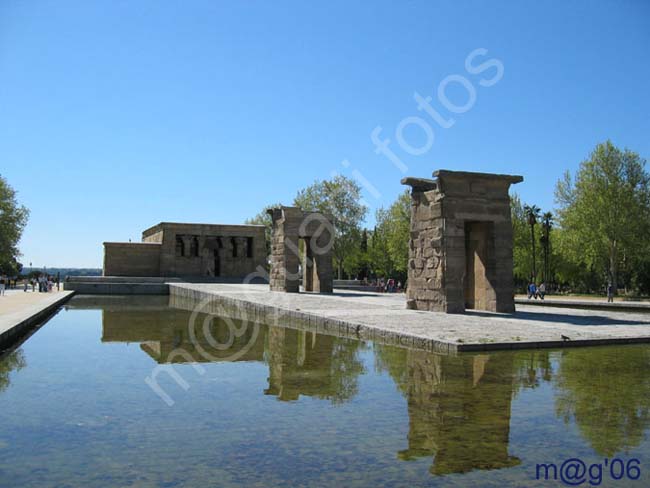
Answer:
[(290, 225), (460, 247)]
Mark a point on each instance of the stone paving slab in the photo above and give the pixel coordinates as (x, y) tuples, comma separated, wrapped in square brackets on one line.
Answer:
[(20, 311), (372, 315)]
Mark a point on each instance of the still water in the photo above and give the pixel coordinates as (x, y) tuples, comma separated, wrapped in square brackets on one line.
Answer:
[(118, 392)]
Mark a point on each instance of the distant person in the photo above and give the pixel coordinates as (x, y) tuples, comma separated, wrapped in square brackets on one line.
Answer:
[(532, 290), (2, 285), (25, 285), (541, 290), (610, 293)]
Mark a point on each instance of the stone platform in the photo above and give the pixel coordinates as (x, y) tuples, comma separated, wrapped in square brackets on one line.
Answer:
[(383, 318)]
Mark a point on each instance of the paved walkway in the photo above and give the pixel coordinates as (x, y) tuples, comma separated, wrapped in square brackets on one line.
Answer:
[(20, 310), (593, 303), (374, 315), (586, 298)]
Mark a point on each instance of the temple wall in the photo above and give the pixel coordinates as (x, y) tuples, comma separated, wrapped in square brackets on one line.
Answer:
[(131, 259)]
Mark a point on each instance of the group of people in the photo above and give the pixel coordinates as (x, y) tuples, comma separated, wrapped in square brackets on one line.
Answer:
[(6, 283), (388, 285), (535, 291), (45, 283)]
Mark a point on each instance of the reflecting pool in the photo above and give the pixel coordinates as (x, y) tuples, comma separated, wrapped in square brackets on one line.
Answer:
[(117, 392)]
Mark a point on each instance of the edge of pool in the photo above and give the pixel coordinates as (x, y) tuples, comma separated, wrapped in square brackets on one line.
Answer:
[(30, 320)]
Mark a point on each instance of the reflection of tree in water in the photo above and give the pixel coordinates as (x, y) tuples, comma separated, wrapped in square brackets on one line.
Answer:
[(606, 392), (531, 368), (459, 407), (14, 361), (306, 363)]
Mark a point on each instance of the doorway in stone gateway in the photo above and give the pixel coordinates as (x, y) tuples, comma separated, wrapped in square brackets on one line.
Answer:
[(477, 246), (308, 265)]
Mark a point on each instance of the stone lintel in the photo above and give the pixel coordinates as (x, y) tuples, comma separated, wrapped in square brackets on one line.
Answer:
[(469, 175), (419, 184)]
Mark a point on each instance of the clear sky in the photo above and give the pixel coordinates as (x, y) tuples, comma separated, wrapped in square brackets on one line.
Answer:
[(116, 115)]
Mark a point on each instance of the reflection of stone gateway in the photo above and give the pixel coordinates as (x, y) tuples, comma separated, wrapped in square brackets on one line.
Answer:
[(460, 249), (459, 411)]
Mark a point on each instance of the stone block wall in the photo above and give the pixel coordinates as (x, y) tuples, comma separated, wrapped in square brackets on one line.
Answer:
[(285, 254), (131, 259)]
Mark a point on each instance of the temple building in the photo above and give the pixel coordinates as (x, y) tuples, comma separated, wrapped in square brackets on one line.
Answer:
[(186, 250)]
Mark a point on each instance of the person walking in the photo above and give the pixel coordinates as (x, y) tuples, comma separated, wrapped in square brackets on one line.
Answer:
[(541, 290), (2, 285), (610, 293), (532, 290)]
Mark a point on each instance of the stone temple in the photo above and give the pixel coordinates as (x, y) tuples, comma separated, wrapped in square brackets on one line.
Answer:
[(460, 247), (189, 250)]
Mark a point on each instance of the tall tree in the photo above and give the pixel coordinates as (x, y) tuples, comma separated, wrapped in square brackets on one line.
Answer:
[(339, 198), (547, 224), (381, 263), (605, 209), (394, 224), (532, 215), (521, 237), (13, 218)]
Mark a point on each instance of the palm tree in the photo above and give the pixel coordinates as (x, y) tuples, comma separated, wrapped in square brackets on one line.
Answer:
[(532, 214), (547, 223)]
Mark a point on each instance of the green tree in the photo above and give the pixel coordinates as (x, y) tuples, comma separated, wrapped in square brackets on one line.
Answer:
[(521, 247), (392, 237), (605, 210), (399, 231), (357, 262), (545, 239), (340, 198), (13, 218), (381, 263), (532, 215)]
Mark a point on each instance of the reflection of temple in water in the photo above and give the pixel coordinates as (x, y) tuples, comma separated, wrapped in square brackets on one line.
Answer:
[(458, 406), (459, 411), (300, 362), (166, 337)]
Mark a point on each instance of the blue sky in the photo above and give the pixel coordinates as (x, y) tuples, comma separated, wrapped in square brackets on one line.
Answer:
[(117, 115)]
